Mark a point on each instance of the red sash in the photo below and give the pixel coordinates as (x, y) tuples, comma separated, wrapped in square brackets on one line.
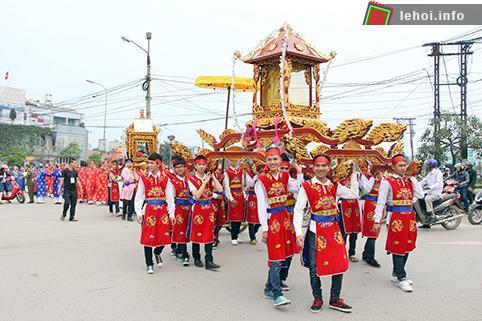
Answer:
[(156, 223), (402, 230), (331, 257)]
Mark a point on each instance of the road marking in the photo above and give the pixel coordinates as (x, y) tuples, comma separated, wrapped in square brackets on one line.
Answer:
[(458, 243)]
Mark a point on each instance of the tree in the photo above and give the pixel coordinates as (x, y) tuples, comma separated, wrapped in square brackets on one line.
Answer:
[(96, 158), (14, 156), (13, 115), (449, 137), (71, 151), (165, 151)]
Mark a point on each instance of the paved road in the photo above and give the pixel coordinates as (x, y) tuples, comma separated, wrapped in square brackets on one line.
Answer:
[(94, 270)]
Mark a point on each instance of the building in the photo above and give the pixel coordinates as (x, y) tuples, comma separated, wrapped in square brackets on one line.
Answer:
[(66, 124)]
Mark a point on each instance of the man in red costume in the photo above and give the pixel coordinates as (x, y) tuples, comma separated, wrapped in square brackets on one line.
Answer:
[(91, 173), (218, 206), (272, 190), (233, 190), (252, 203), (201, 185), (351, 219), (183, 208), (154, 204), (398, 192), (114, 193), (370, 185), (324, 251)]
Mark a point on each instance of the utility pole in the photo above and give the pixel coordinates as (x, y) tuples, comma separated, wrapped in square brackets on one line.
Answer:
[(463, 47), (411, 132), (148, 80), (146, 86)]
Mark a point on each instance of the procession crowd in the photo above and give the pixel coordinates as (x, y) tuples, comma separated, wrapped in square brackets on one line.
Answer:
[(177, 207)]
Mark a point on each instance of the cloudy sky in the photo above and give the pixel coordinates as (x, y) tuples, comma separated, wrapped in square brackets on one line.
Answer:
[(54, 46)]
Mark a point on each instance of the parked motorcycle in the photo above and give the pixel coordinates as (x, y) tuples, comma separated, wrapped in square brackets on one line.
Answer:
[(475, 210), (15, 192)]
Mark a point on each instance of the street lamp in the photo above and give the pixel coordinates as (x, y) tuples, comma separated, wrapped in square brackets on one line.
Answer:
[(171, 138), (147, 84), (105, 111)]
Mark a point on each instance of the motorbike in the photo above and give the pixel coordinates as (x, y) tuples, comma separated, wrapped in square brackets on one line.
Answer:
[(475, 210), (15, 193), (447, 209)]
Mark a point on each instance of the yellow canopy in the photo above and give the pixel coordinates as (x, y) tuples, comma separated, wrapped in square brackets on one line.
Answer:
[(223, 82)]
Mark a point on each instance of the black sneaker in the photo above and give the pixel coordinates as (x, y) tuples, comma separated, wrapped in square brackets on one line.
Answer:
[(212, 266), (284, 286), (340, 305), (185, 262), (179, 257), (73, 220), (316, 306), (198, 263), (130, 219), (373, 263), (158, 260)]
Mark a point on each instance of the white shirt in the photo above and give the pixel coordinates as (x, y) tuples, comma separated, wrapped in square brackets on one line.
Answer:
[(193, 189), (366, 184), (261, 196), (385, 196), (248, 181), (140, 196), (434, 182), (302, 200)]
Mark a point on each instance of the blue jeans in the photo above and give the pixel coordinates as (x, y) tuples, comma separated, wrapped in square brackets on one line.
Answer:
[(315, 281), (463, 197), (399, 262), (369, 250), (274, 282)]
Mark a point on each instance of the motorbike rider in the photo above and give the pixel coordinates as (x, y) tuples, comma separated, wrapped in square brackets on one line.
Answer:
[(433, 185), (472, 181), (4, 185), (462, 177)]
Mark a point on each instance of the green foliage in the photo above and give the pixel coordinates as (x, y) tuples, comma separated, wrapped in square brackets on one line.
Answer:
[(13, 114), (449, 136), (164, 151), (14, 156), (71, 151), (96, 158), (22, 136)]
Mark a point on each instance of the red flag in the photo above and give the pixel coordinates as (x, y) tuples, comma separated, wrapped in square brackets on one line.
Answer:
[(6, 75)]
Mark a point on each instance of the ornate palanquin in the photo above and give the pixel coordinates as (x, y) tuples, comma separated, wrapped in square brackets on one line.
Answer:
[(141, 138), (353, 139)]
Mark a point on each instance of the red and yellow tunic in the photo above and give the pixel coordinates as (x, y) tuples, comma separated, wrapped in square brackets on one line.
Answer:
[(218, 202), (331, 257), (235, 177), (183, 209), (350, 212), (114, 194), (156, 223), (369, 210), (202, 218), (252, 204), (281, 244), (402, 229)]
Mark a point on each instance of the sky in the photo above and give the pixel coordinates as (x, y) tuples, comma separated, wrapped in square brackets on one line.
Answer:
[(54, 46)]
